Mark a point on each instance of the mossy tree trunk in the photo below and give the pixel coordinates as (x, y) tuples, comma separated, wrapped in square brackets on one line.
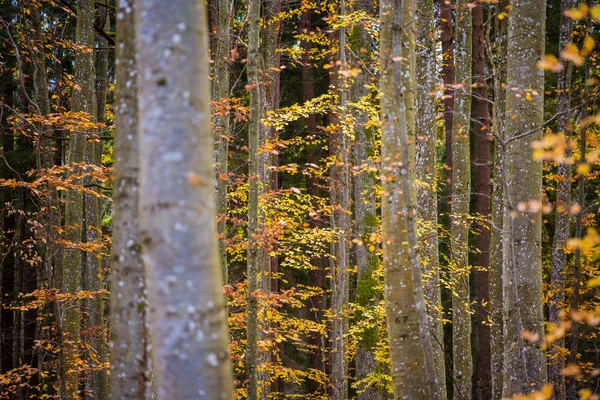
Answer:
[(365, 204), (84, 100), (340, 203)]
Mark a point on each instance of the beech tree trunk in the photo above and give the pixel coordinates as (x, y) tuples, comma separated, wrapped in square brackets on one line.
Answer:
[(130, 360), (222, 123), (340, 192), (427, 80), (413, 370), (84, 100), (97, 380), (459, 217), (524, 360), (365, 205), (496, 228), (255, 182), (562, 227), (177, 210)]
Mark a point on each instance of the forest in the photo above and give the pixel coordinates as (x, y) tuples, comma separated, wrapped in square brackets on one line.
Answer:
[(299, 199)]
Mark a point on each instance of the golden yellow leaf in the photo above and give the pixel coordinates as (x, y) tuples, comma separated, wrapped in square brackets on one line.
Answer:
[(571, 53)]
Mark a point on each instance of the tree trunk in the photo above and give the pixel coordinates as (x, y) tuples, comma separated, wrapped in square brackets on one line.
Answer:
[(130, 360), (562, 227), (255, 183), (97, 380), (481, 131), (571, 387), (427, 208), (222, 123), (365, 206), (270, 71), (448, 72), (459, 218), (524, 362), (177, 210), (339, 222), (496, 228), (84, 100), (413, 370)]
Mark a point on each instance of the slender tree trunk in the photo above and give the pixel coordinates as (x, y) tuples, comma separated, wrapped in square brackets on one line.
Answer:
[(340, 204), (427, 209), (97, 381), (459, 218), (481, 131), (222, 123), (496, 228), (130, 360), (562, 227), (255, 183), (365, 206), (524, 362), (413, 370), (83, 101), (7, 315), (270, 74), (448, 72), (177, 210), (573, 346)]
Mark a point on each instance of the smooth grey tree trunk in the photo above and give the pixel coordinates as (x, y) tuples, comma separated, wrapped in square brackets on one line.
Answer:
[(177, 209), (413, 370), (497, 210), (130, 342), (427, 79), (461, 195), (562, 226), (524, 360)]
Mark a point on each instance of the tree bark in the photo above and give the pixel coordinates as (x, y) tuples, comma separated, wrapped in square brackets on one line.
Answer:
[(427, 80), (524, 362), (130, 360), (562, 227), (482, 376), (496, 260), (413, 370), (340, 204), (84, 100), (222, 123), (255, 182), (177, 210), (448, 73), (365, 205), (459, 218)]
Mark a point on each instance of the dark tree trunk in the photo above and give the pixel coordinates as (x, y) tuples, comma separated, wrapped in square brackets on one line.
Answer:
[(482, 371), (448, 75)]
